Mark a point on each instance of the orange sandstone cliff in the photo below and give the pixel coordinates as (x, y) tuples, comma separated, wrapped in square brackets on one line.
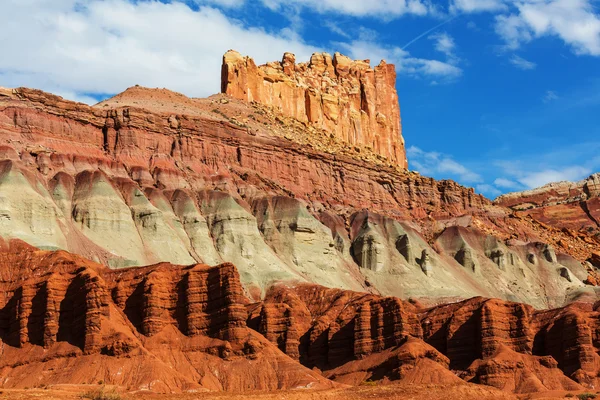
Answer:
[(353, 101)]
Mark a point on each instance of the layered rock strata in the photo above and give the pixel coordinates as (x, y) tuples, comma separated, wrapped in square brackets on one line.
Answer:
[(354, 337), (571, 205), (159, 328), (178, 182), (347, 98), (169, 328)]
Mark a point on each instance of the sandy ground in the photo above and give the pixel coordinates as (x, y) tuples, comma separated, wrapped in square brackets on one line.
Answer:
[(400, 392)]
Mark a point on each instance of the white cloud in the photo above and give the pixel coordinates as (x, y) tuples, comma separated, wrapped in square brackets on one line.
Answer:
[(81, 98), (472, 25), (75, 47), (358, 8), (543, 168), (541, 178), (471, 6), (522, 63), (550, 96), (488, 190), (335, 28), (445, 44), (405, 63), (507, 183), (573, 21), (222, 3), (441, 166), (513, 30), (80, 48)]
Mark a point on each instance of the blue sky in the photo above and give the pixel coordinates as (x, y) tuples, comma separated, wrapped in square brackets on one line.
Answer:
[(501, 95)]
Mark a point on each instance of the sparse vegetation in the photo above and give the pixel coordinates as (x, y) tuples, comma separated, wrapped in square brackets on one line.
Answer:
[(586, 396), (369, 383), (101, 394)]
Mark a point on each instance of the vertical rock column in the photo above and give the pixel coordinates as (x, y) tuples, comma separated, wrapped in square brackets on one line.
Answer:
[(356, 103)]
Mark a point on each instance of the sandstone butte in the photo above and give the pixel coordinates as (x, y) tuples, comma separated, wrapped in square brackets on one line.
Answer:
[(353, 101), (160, 243)]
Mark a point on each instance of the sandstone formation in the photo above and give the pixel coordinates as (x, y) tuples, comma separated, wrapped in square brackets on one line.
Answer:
[(571, 205), (353, 337), (347, 98), (169, 328), (163, 328), (272, 238), (185, 181)]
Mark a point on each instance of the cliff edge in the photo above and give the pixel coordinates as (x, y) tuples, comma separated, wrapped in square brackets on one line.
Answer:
[(356, 103)]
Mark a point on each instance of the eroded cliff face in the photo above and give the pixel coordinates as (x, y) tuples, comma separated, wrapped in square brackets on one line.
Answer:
[(347, 98), (169, 328), (281, 257), (354, 337), (573, 207), (163, 328), (184, 181)]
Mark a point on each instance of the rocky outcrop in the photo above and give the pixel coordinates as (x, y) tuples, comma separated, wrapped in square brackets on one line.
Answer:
[(355, 338), (160, 328), (553, 194), (114, 183), (153, 176), (172, 328), (572, 205), (347, 98)]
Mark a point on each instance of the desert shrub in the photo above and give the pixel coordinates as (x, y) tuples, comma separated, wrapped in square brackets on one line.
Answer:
[(369, 383), (586, 396), (101, 394)]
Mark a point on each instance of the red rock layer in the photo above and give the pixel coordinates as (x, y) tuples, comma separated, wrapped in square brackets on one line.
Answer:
[(168, 326), (184, 151), (572, 205), (333, 325), (188, 327), (353, 101), (508, 345)]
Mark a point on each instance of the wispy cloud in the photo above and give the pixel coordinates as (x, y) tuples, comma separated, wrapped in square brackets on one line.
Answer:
[(569, 163), (472, 6), (385, 9), (441, 166), (507, 184), (445, 44), (107, 46), (522, 63), (488, 190), (335, 28), (540, 178), (550, 95), (575, 22), (222, 3), (406, 64)]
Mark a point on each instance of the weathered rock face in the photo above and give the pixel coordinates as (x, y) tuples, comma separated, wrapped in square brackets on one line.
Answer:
[(354, 337), (160, 328), (571, 205), (168, 328), (128, 186), (347, 98)]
